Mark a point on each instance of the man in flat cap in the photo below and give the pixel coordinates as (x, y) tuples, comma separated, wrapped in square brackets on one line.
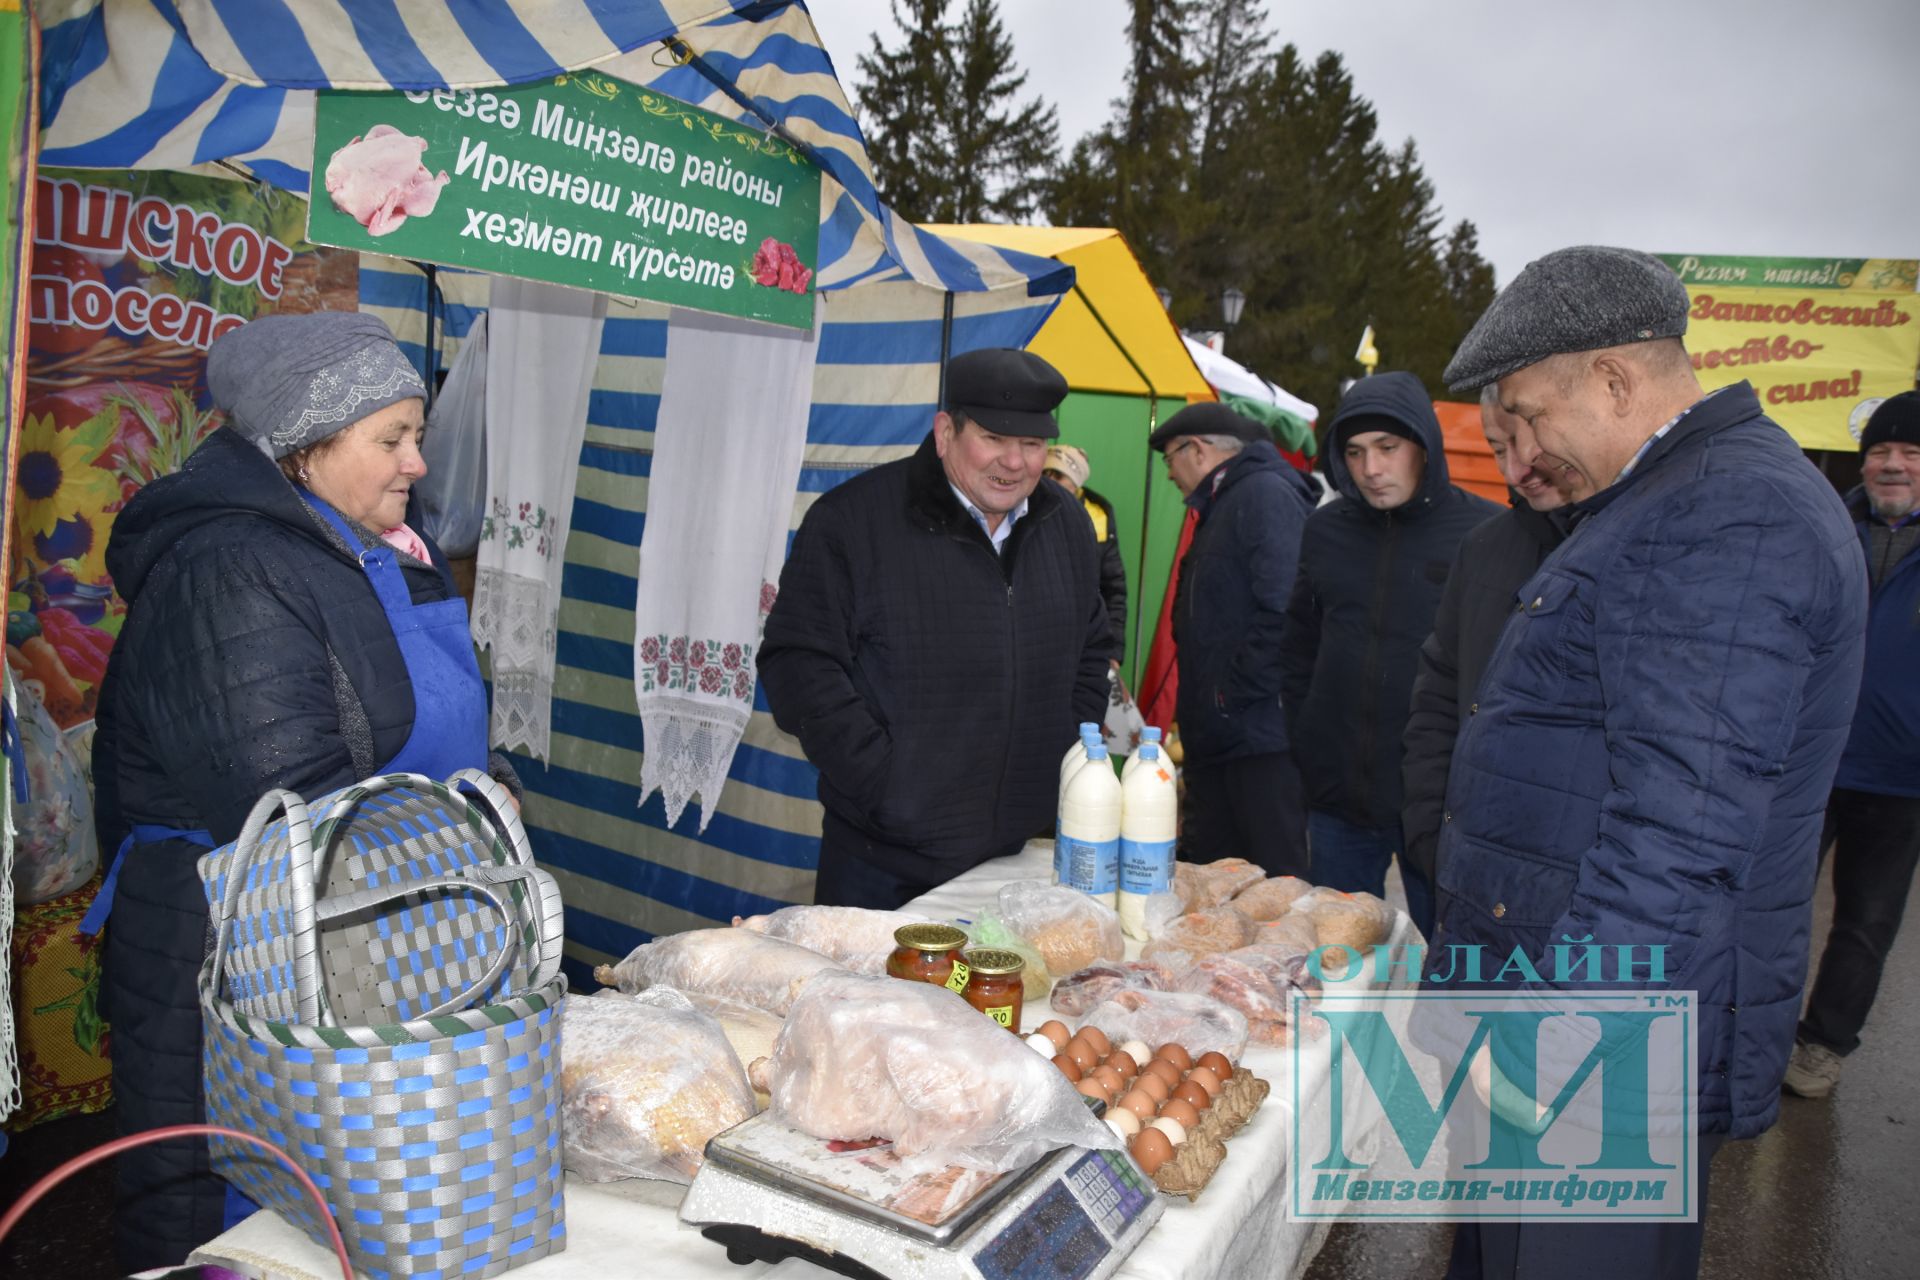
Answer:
[(938, 635), (1372, 567), (1655, 737), (1873, 815), (1243, 797)]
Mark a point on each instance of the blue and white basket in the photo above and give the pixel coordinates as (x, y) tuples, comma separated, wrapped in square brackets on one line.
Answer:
[(382, 1004)]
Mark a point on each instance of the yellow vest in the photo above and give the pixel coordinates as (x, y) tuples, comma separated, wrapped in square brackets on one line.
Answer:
[(1099, 516)]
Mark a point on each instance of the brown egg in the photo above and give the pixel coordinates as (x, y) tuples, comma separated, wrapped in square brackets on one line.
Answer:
[(1097, 1038), (1110, 1078), (1152, 1149), (1092, 1088), (1195, 1094), (1168, 1074), (1141, 1103), (1206, 1079), (1068, 1067), (1056, 1031), (1180, 1109), (1122, 1061), (1082, 1054), (1218, 1064), (1153, 1086), (1175, 1054)]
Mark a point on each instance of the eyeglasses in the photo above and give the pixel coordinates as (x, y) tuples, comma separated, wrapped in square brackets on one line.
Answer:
[(1182, 447)]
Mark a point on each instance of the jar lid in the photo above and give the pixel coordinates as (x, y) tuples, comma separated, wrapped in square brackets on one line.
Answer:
[(930, 937), (991, 961)]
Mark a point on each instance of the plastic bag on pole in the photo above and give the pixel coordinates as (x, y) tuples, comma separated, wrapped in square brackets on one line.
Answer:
[(453, 493)]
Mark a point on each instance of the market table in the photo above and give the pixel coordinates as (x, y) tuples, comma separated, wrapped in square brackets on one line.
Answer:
[(1238, 1227)]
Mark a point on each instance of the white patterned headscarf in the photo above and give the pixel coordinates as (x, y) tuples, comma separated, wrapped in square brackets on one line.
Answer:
[(287, 382)]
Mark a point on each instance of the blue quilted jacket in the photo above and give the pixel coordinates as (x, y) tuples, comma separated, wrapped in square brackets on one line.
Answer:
[(1649, 757)]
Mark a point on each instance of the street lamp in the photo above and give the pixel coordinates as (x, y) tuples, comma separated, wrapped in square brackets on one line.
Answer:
[(1232, 303)]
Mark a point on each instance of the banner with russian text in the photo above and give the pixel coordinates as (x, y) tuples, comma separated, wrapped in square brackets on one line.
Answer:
[(1823, 340), (583, 181), (134, 275)]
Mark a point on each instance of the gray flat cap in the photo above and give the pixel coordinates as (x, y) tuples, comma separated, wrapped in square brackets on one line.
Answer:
[(1579, 299)]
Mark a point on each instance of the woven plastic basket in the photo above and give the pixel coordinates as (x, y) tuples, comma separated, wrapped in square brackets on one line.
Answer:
[(433, 1132)]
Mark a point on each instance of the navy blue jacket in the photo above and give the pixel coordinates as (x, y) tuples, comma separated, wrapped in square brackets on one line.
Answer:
[(1363, 603), (1883, 751), (1230, 604), (1656, 735)]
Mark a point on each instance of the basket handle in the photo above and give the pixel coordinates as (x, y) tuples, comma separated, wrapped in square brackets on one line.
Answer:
[(549, 914), (485, 881), (497, 801), (245, 847)]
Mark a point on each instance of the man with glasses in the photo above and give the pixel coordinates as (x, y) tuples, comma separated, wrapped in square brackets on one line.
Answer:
[(1243, 795)]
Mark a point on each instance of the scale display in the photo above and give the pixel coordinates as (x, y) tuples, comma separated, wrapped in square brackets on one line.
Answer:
[(1074, 1225)]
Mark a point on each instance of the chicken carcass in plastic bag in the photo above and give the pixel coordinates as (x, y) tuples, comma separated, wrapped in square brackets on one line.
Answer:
[(858, 938), (647, 1079), (1078, 992), (1200, 1024), (1068, 929), (733, 964), (912, 1063)]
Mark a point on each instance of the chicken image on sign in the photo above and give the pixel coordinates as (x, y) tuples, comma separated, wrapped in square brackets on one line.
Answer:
[(583, 181)]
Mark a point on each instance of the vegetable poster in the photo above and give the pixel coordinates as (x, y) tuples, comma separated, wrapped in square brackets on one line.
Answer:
[(133, 276)]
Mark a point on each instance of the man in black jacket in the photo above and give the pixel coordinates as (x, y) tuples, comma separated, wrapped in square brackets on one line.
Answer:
[(938, 634), (1244, 797), (1493, 562), (1372, 567), (1067, 466)]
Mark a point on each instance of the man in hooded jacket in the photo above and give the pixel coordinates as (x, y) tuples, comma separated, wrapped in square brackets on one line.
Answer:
[(1372, 567), (1243, 791)]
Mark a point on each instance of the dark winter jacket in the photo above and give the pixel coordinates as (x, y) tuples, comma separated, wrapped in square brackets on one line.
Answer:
[(1656, 736), (1883, 749), (933, 683), (254, 655), (1363, 603), (1230, 604), (1113, 570), (1493, 563)]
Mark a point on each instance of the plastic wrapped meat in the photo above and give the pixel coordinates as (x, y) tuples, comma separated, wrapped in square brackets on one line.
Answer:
[(1068, 929), (379, 182), (1347, 919), (914, 1064), (646, 1081), (733, 964), (1270, 899), (1202, 933), (1208, 884), (1200, 1024), (1245, 987), (858, 938), (750, 1031), (1295, 930), (1078, 992)]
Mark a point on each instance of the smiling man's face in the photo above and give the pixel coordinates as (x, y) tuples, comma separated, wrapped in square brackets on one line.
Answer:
[(997, 473), (1891, 472)]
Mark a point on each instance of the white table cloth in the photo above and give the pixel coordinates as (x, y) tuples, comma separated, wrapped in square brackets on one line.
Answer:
[(1237, 1230)]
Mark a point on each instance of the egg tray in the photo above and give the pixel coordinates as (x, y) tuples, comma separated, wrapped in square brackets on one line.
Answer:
[(1195, 1160)]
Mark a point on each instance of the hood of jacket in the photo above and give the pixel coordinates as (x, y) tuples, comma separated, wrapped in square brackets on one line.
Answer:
[(1402, 397), (1260, 455), (226, 476)]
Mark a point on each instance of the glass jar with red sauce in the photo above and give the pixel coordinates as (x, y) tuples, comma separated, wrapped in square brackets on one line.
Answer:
[(996, 985), (929, 953)]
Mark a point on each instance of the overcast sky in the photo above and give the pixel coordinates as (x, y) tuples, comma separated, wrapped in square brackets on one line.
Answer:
[(1780, 128)]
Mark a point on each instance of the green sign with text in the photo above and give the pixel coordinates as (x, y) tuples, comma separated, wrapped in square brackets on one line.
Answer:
[(583, 181)]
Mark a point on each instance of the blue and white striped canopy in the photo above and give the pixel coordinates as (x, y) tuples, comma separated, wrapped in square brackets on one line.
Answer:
[(170, 84)]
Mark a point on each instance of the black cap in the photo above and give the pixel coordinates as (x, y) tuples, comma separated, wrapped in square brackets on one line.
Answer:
[(1896, 421), (1010, 393), (1361, 423), (1207, 418)]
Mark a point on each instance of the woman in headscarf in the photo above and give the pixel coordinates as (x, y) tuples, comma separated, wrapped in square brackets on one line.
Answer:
[(285, 628)]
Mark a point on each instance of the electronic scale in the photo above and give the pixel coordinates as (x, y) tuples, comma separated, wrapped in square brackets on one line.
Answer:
[(768, 1192)]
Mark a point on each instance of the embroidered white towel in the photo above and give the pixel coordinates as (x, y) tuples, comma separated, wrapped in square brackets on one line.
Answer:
[(727, 450)]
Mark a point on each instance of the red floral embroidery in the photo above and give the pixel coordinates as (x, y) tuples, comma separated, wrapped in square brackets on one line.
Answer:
[(650, 650), (681, 664), (712, 680), (730, 657), (743, 685)]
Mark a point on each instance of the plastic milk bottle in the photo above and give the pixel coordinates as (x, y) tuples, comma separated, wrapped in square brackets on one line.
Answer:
[(1076, 756), (1148, 734), (1090, 828), (1148, 814)]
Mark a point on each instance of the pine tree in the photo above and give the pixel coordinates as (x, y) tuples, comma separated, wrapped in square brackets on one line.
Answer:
[(901, 92)]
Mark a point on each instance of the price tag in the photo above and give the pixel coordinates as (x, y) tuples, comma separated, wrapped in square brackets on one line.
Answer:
[(1002, 1014), (957, 980)]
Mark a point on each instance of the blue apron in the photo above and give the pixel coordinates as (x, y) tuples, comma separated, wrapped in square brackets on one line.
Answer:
[(449, 713)]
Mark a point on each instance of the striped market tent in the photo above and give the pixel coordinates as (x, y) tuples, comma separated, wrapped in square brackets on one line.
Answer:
[(179, 84)]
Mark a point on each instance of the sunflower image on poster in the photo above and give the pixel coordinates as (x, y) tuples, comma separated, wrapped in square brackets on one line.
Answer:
[(116, 381)]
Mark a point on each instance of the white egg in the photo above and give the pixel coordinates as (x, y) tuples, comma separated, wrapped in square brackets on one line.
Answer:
[(1123, 1122), (1138, 1051), (1041, 1045), (1175, 1131)]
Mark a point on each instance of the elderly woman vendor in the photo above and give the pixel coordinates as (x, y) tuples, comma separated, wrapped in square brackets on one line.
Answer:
[(285, 628)]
